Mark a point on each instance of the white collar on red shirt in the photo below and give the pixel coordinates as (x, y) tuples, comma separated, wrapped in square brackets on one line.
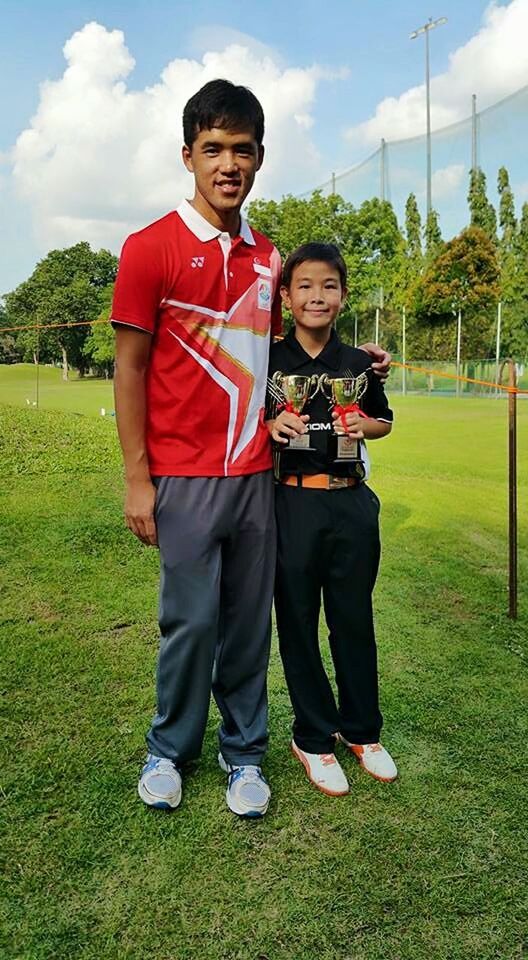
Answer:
[(205, 230)]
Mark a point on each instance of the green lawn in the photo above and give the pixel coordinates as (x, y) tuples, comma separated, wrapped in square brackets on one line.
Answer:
[(19, 387), (430, 867)]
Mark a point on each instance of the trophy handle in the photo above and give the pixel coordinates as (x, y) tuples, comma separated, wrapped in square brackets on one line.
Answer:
[(315, 386), (324, 385), (363, 385)]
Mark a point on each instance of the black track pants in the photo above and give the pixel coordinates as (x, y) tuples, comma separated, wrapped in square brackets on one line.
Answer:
[(328, 542)]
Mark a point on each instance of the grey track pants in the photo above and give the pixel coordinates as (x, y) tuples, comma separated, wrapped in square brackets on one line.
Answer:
[(217, 550)]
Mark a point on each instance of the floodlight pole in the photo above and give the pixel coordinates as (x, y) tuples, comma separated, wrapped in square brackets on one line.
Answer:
[(404, 351), (383, 173), (426, 28), (37, 402), (474, 155), (512, 484), (498, 344), (459, 343)]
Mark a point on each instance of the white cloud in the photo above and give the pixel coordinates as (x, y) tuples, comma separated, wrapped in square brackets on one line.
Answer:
[(218, 37), (4, 163), (99, 160), (446, 182), (493, 64)]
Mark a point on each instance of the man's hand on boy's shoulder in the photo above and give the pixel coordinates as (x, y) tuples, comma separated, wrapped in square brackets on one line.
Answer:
[(287, 425), (381, 359)]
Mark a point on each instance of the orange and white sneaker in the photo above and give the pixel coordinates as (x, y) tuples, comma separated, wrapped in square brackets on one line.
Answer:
[(374, 759), (323, 770)]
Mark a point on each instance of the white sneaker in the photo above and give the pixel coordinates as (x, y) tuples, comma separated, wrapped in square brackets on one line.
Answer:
[(323, 770), (374, 759), (160, 784), (248, 793)]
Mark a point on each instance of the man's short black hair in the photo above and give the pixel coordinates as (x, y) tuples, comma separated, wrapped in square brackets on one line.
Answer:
[(222, 104), (324, 252)]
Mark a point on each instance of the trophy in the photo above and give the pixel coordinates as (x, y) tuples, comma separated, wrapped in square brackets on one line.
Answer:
[(344, 393), (292, 392)]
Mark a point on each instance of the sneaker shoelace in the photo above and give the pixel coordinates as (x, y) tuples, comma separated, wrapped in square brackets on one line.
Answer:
[(163, 765), (327, 759), (247, 773), (251, 773)]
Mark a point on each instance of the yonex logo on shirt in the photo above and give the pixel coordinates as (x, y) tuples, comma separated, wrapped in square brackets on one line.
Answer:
[(197, 262)]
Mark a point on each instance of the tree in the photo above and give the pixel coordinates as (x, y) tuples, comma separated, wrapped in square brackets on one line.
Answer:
[(9, 351), (465, 276), (432, 235), (481, 210), (369, 239), (509, 263), (62, 296), (99, 346), (413, 228), (294, 220), (506, 209), (514, 294)]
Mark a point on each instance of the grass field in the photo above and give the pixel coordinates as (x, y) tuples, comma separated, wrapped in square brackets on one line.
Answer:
[(432, 867), (18, 387)]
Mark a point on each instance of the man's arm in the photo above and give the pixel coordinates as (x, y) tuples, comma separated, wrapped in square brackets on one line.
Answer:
[(132, 357), (381, 360)]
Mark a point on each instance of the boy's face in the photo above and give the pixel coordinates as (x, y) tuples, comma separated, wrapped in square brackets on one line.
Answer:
[(315, 295), (224, 164)]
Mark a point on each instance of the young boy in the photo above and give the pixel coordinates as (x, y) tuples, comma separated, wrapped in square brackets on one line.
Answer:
[(327, 528)]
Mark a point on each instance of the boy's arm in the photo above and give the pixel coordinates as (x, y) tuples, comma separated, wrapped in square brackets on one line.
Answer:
[(377, 416), (132, 356), (362, 428), (286, 425)]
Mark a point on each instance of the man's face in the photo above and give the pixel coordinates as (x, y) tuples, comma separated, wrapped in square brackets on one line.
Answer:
[(224, 164)]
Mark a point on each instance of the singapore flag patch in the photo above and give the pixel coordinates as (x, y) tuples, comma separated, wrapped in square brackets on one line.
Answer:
[(264, 293)]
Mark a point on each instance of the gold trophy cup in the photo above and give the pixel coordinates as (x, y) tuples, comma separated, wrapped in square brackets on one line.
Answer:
[(344, 393), (293, 392)]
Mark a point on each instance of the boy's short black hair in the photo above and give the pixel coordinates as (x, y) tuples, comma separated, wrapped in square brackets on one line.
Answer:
[(221, 103), (325, 252)]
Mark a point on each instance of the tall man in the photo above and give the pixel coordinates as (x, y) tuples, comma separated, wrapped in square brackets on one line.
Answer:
[(195, 306)]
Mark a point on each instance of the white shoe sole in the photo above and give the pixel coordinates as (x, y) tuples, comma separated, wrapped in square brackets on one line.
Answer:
[(160, 803), (244, 811)]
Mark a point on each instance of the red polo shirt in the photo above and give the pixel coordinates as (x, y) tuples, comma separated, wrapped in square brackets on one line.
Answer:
[(211, 305)]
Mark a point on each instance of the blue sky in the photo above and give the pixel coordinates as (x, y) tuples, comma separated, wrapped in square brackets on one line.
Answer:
[(334, 72)]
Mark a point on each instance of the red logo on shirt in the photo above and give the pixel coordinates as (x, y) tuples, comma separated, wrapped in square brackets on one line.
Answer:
[(197, 262)]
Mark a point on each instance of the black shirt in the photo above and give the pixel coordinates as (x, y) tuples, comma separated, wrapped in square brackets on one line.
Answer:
[(336, 359)]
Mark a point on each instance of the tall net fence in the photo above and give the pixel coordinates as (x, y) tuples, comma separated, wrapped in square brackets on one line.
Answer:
[(496, 136)]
